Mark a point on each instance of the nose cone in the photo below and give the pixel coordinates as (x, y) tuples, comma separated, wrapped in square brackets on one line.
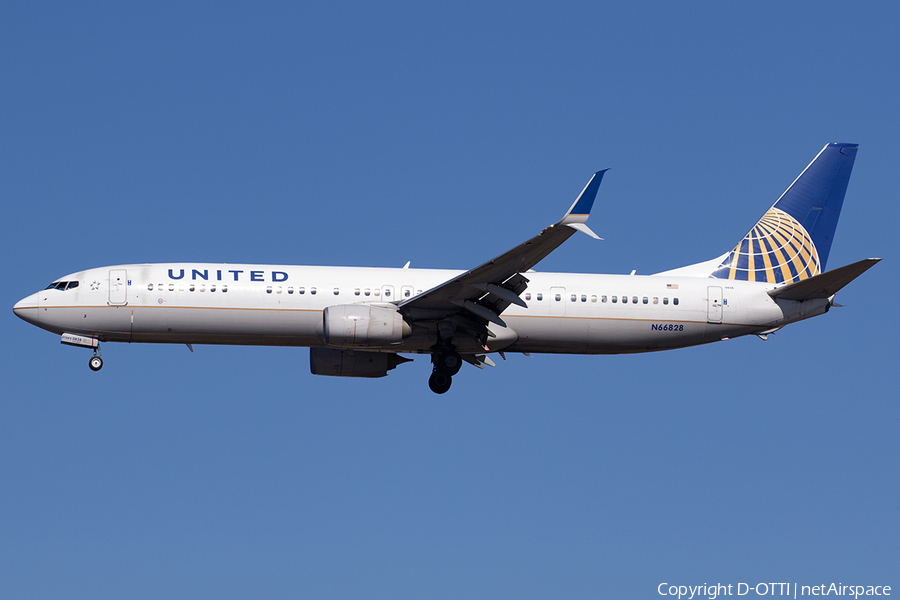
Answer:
[(27, 309)]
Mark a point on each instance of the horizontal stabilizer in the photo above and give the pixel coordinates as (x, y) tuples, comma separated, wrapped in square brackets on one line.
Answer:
[(824, 285)]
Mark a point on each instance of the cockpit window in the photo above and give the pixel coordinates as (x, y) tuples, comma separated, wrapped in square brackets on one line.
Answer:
[(62, 285)]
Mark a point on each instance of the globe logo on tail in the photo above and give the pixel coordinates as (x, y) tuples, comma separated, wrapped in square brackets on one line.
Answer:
[(777, 250)]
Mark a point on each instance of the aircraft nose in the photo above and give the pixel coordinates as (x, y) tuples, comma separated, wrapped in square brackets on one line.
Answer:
[(27, 309)]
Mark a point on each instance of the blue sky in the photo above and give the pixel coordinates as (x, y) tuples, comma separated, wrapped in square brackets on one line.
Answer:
[(373, 134)]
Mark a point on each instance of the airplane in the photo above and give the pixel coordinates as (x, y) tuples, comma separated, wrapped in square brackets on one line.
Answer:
[(358, 322)]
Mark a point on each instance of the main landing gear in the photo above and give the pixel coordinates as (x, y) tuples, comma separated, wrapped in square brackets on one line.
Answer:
[(96, 362), (446, 364)]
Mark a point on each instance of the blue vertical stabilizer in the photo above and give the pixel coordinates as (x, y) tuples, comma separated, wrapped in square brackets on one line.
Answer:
[(791, 242)]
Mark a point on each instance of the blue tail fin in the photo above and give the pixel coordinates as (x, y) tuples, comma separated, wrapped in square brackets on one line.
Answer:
[(792, 240)]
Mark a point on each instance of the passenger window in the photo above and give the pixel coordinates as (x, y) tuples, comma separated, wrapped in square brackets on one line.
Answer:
[(665, 300), (603, 299), (646, 300), (406, 293), (634, 299), (655, 300), (675, 301), (301, 290), (387, 293), (212, 288), (171, 287), (202, 288), (624, 299), (593, 298), (540, 296), (356, 292), (583, 298), (558, 297), (191, 287), (614, 300), (574, 298), (377, 292), (528, 296), (337, 291), (367, 292), (290, 289), (150, 287), (224, 288), (277, 289), (312, 291)]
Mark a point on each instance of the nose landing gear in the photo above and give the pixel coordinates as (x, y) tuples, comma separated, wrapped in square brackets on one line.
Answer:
[(96, 362)]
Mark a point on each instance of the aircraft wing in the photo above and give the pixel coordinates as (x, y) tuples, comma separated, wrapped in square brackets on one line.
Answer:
[(487, 290)]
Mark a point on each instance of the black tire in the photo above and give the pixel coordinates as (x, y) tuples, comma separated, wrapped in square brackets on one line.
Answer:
[(96, 363), (449, 363), (439, 382)]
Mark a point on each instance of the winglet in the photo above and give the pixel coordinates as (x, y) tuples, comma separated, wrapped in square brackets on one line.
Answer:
[(581, 209)]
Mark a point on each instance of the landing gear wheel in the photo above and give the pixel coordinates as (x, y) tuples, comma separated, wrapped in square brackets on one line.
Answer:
[(96, 363), (449, 363), (439, 382)]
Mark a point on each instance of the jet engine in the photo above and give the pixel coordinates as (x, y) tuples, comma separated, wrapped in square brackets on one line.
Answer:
[(352, 363), (363, 326)]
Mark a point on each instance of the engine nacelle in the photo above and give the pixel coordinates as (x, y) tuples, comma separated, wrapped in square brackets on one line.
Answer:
[(352, 363), (363, 326)]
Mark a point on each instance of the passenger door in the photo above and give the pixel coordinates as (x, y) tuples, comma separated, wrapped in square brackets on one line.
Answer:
[(118, 287), (714, 300)]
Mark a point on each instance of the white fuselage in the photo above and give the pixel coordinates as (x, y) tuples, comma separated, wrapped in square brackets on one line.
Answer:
[(279, 305)]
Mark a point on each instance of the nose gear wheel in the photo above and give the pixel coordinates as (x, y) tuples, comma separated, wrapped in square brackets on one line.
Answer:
[(96, 362)]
